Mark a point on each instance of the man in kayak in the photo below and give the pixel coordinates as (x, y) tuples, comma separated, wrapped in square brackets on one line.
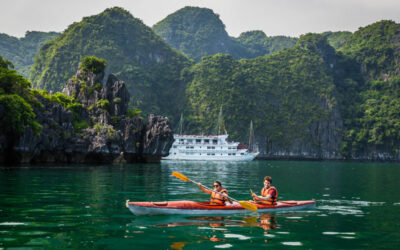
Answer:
[(269, 194), (216, 199)]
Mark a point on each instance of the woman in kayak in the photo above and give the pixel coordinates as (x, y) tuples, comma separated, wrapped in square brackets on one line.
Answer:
[(216, 199), (269, 194)]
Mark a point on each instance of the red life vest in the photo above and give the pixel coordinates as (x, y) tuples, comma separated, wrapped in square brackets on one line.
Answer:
[(273, 199), (217, 199)]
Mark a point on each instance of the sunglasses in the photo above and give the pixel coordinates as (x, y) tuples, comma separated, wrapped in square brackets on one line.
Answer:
[(216, 185)]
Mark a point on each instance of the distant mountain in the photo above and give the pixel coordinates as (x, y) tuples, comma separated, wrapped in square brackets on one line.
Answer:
[(374, 125), (258, 44), (21, 51), (377, 48), (150, 68), (290, 96), (199, 32)]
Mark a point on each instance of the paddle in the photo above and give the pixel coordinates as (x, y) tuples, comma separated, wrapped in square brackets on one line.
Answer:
[(244, 204)]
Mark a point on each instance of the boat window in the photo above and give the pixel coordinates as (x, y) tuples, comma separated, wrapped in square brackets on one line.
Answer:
[(189, 140), (206, 141), (174, 146), (198, 141), (233, 153), (242, 153), (215, 141)]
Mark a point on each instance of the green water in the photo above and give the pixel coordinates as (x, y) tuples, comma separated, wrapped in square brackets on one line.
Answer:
[(358, 206)]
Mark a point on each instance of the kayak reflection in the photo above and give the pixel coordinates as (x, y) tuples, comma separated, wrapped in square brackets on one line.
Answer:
[(265, 221)]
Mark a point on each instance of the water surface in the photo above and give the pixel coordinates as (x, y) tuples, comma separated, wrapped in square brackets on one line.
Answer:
[(358, 206)]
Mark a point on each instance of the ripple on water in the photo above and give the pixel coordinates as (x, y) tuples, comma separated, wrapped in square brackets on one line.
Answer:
[(353, 202), (282, 232), (12, 224), (212, 228), (342, 235), (223, 246), (344, 210), (237, 236), (292, 243)]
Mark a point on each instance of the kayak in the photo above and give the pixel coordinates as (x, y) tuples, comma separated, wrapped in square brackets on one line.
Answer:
[(194, 207)]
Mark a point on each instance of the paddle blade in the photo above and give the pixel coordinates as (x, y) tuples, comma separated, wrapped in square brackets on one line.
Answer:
[(248, 206), (180, 176)]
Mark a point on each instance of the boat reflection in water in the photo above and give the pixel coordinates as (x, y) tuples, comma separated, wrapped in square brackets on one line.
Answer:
[(265, 221)]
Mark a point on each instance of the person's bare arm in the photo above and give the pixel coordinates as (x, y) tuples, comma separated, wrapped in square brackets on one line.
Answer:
[(204, 190)]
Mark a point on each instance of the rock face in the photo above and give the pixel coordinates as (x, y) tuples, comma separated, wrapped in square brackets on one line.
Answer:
[(323, 144), (111, 136)]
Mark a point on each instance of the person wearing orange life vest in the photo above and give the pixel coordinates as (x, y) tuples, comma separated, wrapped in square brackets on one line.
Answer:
[(269, 194), (217, 199)]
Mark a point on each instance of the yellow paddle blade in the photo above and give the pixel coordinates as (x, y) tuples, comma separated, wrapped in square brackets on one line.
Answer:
[(248, 205), (180, 176)]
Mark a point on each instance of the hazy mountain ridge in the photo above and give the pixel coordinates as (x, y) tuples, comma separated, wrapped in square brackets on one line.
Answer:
[(199, 32), (21, 51)]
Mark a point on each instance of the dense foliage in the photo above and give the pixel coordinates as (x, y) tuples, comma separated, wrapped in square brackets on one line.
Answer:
[(199, 32), (282, 94), (22, 51), (16, 113), (337, 39), (373, 117), (258, 44), (93, 64), (149, 67)]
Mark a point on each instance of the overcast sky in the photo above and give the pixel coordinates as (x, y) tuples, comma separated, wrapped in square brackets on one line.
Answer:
[(274, 17)]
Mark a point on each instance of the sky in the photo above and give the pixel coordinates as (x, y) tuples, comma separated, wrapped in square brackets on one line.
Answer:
[(274, 17)]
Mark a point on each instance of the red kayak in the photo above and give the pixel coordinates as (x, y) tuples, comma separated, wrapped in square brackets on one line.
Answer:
[(193, 207)]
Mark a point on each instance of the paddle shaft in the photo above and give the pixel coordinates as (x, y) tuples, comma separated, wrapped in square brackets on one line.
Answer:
[(213, 190)]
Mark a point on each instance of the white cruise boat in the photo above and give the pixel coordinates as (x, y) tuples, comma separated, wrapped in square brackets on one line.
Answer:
[(208, 148)]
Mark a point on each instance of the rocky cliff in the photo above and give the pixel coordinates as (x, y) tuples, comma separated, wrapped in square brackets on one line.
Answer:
[(96, 128)]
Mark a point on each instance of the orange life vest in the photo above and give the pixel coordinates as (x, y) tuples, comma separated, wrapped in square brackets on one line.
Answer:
[(217, 199), (273, 199)]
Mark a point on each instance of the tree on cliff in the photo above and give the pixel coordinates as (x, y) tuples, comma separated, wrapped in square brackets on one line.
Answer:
[(16, 114)]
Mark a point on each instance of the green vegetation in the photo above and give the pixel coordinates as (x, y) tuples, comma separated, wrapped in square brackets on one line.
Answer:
[(104, 104), (15, 102), (148, 66), (93, 64), (199, 32), (111, 133), (258, 44), (337, 39), (372, 120), (282, 93), (22, 51)]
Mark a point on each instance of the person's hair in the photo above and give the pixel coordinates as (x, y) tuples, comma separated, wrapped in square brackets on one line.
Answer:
[(268, 178), (219, 183)]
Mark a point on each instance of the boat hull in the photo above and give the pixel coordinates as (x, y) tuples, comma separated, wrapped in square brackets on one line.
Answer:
[(204, 208), (248, 157)]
